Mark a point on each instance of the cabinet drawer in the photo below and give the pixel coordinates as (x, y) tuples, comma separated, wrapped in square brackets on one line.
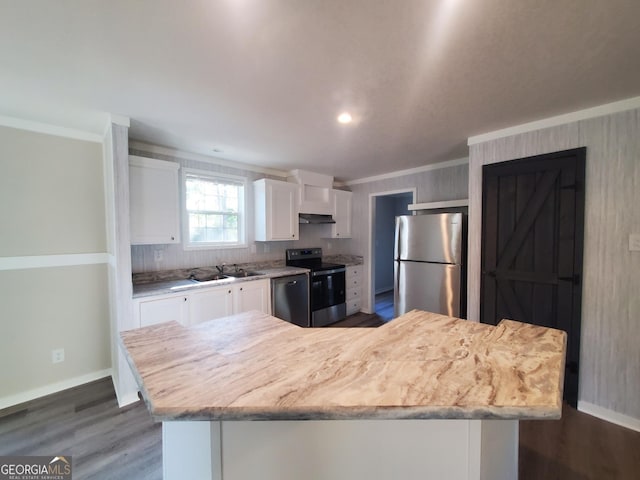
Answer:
[(353, 293), (354, 306), (355, 271), (354, 282)]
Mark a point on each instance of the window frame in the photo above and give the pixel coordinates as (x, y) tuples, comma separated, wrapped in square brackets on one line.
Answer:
[(242, 210)]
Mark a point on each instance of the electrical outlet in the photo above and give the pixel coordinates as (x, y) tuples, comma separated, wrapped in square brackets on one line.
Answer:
[(57, 355), (158, 255), (634, 242)]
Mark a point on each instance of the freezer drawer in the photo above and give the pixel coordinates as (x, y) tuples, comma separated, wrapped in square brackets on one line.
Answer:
[(433, 287)]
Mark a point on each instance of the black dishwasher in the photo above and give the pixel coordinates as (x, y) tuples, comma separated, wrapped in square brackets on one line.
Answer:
[(290, 298)]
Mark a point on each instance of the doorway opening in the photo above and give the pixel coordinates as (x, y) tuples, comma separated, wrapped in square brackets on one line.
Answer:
[(385, 207)]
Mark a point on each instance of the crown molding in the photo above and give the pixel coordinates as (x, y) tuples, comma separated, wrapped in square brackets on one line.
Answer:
[(46, 128), (149, 148), (410, 171), (586, 114)]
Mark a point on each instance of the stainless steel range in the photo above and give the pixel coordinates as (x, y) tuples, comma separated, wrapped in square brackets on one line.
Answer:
[(328, 295)]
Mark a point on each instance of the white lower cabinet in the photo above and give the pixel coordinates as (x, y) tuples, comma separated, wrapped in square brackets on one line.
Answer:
[(200, 305), (210, 303), (354, 278), (254, 295), (163, 308)]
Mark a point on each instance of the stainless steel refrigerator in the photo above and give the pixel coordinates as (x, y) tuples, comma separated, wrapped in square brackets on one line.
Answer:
[(429, 267)]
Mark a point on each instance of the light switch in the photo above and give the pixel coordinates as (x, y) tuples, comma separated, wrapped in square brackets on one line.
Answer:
[(634, 242)]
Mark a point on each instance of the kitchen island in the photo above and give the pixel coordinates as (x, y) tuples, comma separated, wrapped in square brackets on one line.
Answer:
[(424, 396)]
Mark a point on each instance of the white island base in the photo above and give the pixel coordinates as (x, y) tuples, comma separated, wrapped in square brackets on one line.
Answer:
[(341, 450)]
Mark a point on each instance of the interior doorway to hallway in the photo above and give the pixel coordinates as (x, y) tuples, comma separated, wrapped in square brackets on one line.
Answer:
[(385, 207)]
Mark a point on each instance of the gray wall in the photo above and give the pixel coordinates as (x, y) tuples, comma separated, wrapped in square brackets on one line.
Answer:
[(449, 183), (142, 256), (52, 211), (610, 356)]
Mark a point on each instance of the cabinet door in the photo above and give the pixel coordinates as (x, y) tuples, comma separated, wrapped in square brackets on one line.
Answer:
[(284, 210), (154, 202), (159, 310), (254, 295), (341, 201), (210, 303), (276, 212)]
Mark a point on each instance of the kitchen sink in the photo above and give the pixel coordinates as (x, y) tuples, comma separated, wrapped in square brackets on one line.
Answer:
[(243, 274), (209, 278)]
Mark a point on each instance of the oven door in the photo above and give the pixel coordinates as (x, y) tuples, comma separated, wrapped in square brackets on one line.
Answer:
[(327, 288)]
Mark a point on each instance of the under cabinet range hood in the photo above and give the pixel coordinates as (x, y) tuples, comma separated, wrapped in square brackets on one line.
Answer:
[(313, 218)]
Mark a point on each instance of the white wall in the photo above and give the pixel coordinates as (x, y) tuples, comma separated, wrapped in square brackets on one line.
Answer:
[(610, 356), (53, 275)]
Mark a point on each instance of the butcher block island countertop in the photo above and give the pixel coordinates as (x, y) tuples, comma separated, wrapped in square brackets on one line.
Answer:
[(422, 365)]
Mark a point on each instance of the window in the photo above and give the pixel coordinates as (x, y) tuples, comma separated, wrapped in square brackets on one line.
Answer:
[(214, 209)]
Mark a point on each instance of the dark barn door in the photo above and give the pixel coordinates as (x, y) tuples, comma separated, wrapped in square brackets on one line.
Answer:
[(532, 237)]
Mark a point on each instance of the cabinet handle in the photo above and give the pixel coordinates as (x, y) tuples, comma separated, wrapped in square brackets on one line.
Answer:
[(173, 238), (185, 299), (229, 291), (241, 289)]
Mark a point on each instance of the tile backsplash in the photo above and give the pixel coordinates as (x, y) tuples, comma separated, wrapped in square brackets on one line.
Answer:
[(143, 257)]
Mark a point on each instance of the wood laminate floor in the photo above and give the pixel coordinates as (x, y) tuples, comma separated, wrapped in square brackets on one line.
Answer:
[(578, 447), (106, 442), (384, 305), (383, 314)]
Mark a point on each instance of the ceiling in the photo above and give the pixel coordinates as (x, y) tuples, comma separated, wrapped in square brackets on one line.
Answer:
[(262, 81)]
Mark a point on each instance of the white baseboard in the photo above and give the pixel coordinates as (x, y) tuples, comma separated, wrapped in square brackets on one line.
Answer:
[(124, 398), (22, 397), (609, 415)]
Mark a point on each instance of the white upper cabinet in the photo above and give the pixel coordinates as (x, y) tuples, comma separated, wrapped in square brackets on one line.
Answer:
[(341, 205), (276, 210), (154, 201)]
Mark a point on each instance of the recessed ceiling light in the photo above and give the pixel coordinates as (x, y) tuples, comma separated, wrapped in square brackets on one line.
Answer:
[(217, 150), (345, 117)]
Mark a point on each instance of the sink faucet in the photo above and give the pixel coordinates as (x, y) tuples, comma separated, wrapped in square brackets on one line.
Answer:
[(238, 270), (220, 268)]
